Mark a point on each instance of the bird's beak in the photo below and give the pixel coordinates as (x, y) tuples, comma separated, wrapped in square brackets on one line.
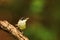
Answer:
[(26, 19)]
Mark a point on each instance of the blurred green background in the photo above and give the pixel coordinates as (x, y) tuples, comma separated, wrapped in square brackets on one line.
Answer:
[(44, 22)]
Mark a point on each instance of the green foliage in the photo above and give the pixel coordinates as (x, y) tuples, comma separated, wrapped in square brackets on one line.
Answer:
[(50, 18), (37, 5), (39, 32)]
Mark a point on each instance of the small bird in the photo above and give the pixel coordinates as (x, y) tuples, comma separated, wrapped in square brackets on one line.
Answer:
[(22, 23)]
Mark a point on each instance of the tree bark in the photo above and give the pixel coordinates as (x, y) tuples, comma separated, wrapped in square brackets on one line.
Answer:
[(5, 25)]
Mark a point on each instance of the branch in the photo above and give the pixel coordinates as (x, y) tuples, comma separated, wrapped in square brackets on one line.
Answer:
[(12, 29)]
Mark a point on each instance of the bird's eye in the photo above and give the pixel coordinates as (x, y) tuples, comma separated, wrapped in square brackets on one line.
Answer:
[(22, 18)]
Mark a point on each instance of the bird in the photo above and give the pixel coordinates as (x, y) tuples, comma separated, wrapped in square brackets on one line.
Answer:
[(22, 23)]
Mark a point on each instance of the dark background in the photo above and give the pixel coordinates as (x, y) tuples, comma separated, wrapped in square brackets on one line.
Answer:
[(44, 22)]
